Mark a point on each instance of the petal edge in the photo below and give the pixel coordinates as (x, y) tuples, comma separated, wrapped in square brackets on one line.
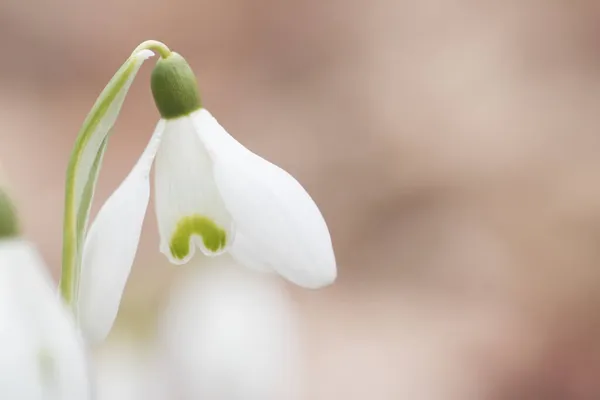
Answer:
[(278, 219), (111, 245)]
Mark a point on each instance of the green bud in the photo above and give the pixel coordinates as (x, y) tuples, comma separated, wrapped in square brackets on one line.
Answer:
[(174, 87), (9, 226)]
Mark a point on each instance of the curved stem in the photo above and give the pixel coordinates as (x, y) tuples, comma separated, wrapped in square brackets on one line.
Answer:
[(155, 45)]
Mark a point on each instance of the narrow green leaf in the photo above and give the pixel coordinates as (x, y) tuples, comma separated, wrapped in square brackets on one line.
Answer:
[(84, 167)]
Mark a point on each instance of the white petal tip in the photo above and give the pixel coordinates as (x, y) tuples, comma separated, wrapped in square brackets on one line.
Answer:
[(330, 278), (165, 249), (176, 261), (311, 278), (319, 282)]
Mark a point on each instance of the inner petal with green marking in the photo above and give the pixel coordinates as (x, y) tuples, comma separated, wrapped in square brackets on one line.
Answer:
[(213, 236)]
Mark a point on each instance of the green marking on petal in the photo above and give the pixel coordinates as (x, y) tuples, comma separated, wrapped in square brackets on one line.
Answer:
[(213, 236)]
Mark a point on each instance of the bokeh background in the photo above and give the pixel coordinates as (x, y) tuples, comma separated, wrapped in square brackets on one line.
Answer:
[(452, 146)]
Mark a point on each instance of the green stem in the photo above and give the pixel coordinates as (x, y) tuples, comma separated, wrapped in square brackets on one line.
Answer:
[(155, 45)]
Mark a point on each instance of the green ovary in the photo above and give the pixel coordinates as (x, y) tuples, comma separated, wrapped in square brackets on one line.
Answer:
[(213, 236)]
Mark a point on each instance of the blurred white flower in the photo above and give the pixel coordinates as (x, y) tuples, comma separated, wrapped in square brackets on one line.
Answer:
[(229, 334), (41, 353)]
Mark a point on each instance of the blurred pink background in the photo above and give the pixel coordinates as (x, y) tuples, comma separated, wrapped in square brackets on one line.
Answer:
[(452, 146)]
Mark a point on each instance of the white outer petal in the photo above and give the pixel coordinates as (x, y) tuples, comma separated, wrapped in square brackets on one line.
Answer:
[(111, 245), (282, 227), (185, 186), (34, 324)]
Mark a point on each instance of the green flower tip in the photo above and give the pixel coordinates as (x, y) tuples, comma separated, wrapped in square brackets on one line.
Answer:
[(9, 224), (174, 87)]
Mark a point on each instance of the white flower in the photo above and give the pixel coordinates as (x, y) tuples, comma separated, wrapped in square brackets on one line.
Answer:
[(214, 193), (211, 193), (41, 354)]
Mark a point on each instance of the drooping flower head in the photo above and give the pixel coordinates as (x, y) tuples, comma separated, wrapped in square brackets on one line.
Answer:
[(211, 194)]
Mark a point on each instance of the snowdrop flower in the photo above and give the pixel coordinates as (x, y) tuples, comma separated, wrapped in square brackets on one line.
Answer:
[(211, 193), (214, 194), (41, 354)]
